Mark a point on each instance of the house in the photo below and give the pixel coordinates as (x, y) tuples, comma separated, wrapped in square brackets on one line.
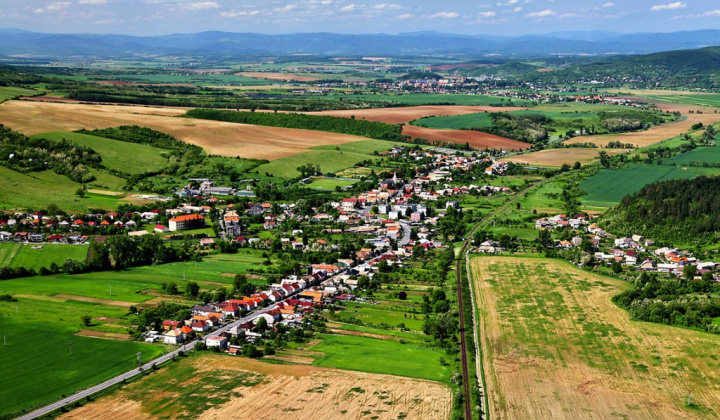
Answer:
[(161, 229), (216, 341), (199, 326), (186, 222), (271, 316), (174, 336), (207, 242)]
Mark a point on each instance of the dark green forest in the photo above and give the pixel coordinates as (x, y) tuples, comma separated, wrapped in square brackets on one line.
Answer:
[(678, 211)]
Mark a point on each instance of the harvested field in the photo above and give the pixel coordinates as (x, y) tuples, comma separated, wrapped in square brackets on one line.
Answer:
[(103, 334), (96, 300), (476, 139), (279, 76), (556, 347), (402, 115), (216, 137), (556, 157), (657, 133), (271, 392)]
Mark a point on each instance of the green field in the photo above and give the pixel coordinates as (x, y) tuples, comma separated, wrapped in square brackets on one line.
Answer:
[(438, 98), (329, 184), (708, 99), (328, 157), (457, 122), (38, 189), (381, 356), (119, 155), (10, 92), (608, 187), (17, 255), (701, 154), (38, 367)]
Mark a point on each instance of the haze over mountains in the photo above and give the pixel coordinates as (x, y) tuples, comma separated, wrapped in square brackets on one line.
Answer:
[(13, 41)]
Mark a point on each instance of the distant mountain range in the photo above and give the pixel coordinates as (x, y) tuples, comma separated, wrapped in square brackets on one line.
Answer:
[(224, 44)]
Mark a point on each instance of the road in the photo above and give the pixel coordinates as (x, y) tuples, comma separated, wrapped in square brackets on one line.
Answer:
[(406, 233), (137, 371)]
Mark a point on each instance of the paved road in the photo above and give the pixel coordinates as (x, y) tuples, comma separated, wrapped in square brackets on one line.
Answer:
[(406, 233), (127, 375)]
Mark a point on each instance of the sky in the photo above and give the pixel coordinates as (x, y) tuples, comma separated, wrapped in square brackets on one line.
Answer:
[(506, 17)]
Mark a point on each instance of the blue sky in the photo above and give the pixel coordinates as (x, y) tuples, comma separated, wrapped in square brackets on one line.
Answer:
[(506, 17)]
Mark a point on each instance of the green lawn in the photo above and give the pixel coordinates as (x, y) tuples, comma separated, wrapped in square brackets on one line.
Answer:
[(25, 256), (701, 154), (381, 356), (709, 99), (328, 157), (119, 155)]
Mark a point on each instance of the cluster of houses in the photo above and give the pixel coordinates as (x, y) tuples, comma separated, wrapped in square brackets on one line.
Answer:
[(632, 251)]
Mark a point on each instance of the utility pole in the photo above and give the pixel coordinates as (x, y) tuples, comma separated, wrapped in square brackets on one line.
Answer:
[(139, 358), (689, 400)]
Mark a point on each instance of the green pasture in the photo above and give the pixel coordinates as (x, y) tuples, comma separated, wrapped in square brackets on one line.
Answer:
[(708, 99), (19, 255), (328, 157), (329, 184), (119, 155), (381, 356)]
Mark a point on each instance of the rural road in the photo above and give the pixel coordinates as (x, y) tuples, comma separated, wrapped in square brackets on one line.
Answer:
[(137, 371), (406, 233)]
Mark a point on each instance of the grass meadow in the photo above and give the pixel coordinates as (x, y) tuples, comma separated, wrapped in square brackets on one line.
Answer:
[(119, 155), (328, 157), (381, 356), (11, 92), (18, 255)]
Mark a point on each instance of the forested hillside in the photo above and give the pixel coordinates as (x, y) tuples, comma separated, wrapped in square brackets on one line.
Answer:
[(678, 211)]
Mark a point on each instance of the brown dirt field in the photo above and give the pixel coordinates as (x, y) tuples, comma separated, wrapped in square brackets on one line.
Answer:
[(402, 115), (216, 137), (556, 157), (96, 300), (102, 334), (657, 133), (284, 395), (556, 347), (278, 76), (476, 139), (105, 192)]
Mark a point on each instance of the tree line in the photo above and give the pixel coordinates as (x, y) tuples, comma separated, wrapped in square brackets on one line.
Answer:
[(371, 129)]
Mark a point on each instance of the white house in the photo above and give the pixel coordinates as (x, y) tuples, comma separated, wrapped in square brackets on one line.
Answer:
[(174, 336), (216, 341)]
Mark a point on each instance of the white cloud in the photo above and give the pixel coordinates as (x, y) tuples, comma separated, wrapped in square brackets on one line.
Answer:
[(608, 4), (671, 6), (542, 14), (53, 7), (92, 2), (444, 15), (204, 5), (517, 9), (285, 8), (405, 16), (390, 6), (234, 14), (486, 14), (711, 13), (568, 15), (348, 8)]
